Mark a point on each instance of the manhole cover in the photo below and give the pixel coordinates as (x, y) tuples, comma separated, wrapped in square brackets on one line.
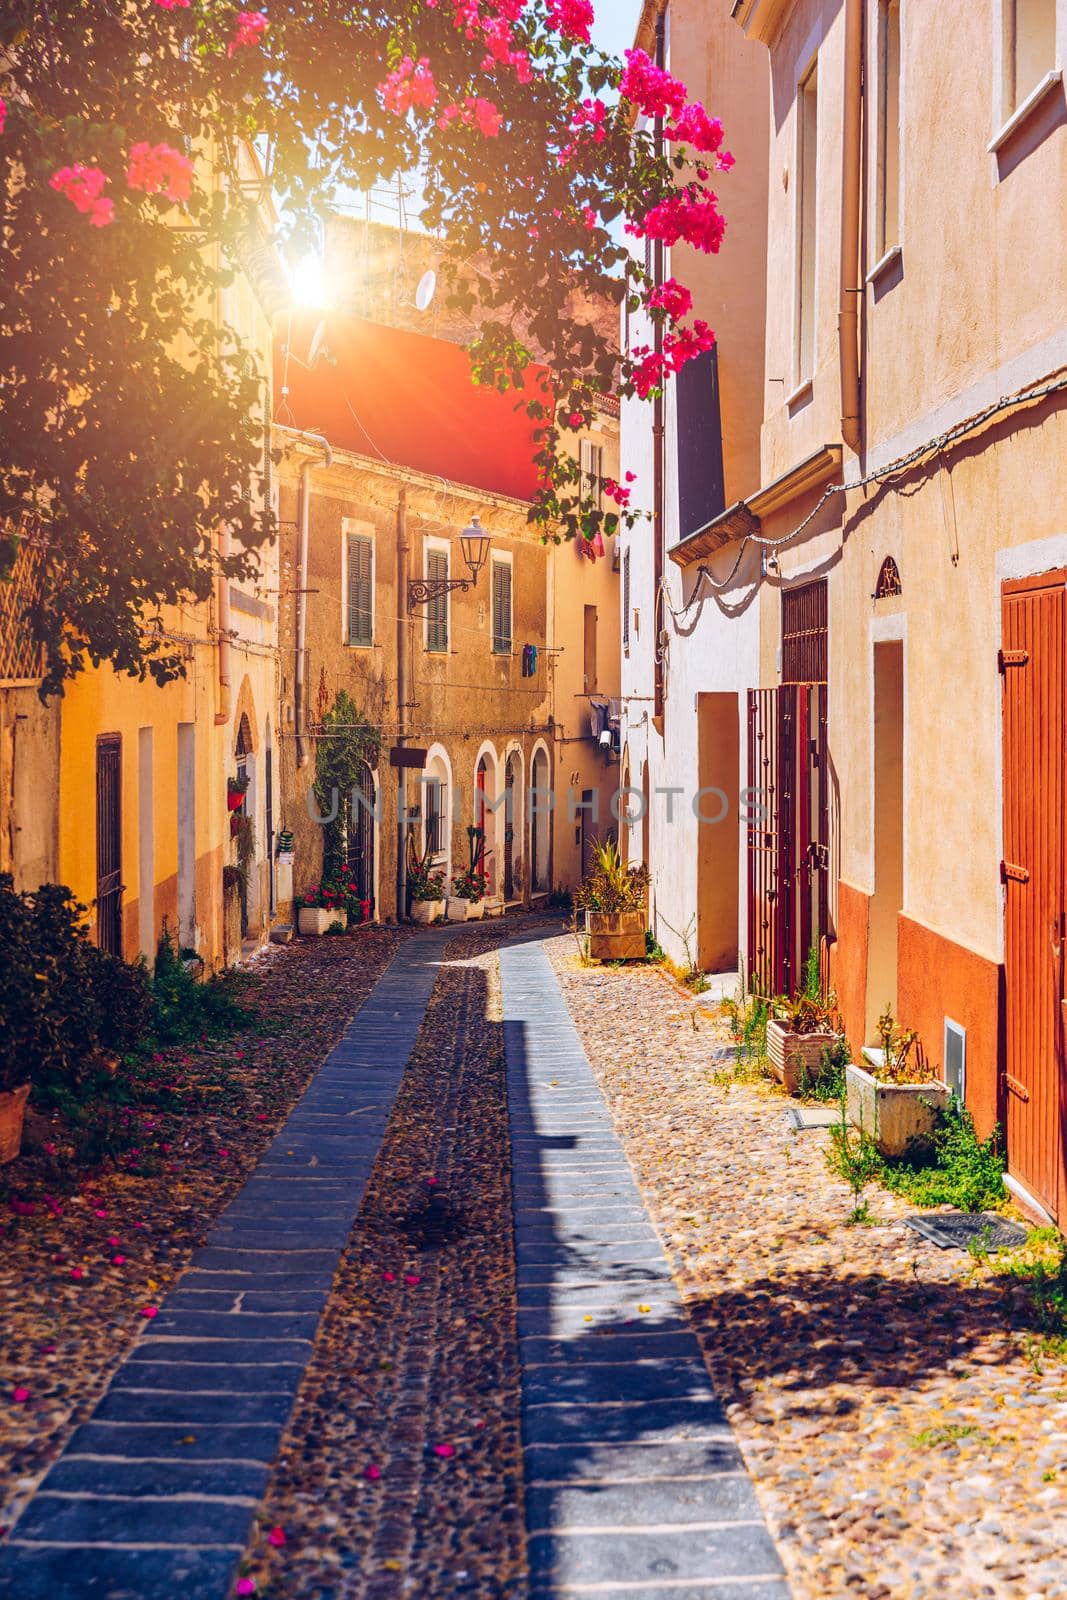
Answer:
[(956, 1230), (802, 1117)]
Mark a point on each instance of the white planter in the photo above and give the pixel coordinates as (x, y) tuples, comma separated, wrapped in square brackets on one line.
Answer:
[(475, 910), (427, 911), (316, 920), (457, 908), (796, 1056), (893, 1114)]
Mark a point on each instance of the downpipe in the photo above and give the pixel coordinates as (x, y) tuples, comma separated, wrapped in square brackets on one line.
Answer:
[(851, 164)]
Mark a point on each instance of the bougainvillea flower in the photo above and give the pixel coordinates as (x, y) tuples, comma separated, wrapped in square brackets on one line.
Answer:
[(276, 1537), (411, 1279), (373, 1473), (251, 26), (3, 113), (571, 18), (388, 1277), (160, 169), (83, 187), (444, 1450), (172, 5), (673, 297), (150, 1312), (77, 1274), (20, 1395), (118, 1261), (652, 90), (246, 1586), (410, 85)]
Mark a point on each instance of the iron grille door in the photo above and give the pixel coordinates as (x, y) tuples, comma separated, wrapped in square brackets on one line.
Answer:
[(109, 885), (805, 633), (361, 855)]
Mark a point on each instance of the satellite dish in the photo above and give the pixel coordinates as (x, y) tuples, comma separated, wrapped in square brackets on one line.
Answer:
[(316, 342), (427, 289)]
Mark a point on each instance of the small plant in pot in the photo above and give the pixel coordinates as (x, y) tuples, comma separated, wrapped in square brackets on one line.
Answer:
[(320, 906), (236, 789), (614, 898), (467, 898), (801, 1030), (895, 1097)]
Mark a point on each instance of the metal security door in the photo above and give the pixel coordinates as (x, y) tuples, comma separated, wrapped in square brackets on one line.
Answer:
[(1033, 664), (361, 847), (509, 833), (109, 885)]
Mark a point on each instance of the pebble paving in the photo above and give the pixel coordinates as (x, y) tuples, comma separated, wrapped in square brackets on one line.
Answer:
[(156, 1492), (634, 1481)]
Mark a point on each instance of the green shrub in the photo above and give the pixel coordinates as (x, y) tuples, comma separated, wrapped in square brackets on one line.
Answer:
[(962, 1170), (184, 1009)]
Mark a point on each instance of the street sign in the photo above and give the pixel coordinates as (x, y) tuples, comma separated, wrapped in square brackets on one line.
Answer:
[(401, 756)]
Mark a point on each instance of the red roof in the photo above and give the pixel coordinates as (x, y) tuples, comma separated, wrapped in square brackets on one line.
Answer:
[(410, 400)]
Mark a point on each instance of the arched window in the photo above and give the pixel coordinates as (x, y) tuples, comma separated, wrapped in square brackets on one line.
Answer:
[(889, 583)]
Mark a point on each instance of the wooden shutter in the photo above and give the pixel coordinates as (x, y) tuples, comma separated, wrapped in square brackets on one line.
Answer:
[(360, 590), (501, 608), (437, 610)]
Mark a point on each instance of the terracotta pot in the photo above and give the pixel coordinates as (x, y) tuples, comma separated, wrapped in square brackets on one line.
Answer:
[(616, 935), (895, 1115), (796, 1056), (12, 1111)]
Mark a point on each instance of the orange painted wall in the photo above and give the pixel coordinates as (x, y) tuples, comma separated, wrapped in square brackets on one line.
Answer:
[(848, 961), (937, 978)]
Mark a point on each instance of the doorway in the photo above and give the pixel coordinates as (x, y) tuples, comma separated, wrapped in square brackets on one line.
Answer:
[(109, 885), (1033, 664), (719, 771), (887, 902)]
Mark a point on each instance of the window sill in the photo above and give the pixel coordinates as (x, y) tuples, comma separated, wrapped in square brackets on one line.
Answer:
[(361, 644), (882, 268), (800, 396), (503, 655), (1022, 114)]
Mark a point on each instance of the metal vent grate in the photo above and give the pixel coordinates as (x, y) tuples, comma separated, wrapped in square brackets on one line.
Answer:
[(957, 1230)]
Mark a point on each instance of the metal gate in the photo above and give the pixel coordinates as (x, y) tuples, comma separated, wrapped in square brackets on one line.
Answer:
[(109, 884), (509, 831), (361, 843), (1033, 662), (787, 832)]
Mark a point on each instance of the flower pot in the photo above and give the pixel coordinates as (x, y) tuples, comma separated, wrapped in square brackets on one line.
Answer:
[(12, 1111), (795, 1057), (616, 935), (284, 858), (426, 911), (234, 799), (475, 910), (459, 909), (895, 1115), (316, 920)]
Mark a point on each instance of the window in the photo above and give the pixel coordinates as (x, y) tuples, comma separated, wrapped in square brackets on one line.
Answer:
[(437, 609), (360, 553), (590, 649), (887, 212), (805, 633), (435, 816), (1029, 47), (806, 202), (591, 461), (626, 600), (501, 594)]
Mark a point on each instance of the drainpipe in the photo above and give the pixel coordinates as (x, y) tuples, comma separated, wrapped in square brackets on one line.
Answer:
[(848, 310), (222, 591), (658, 429), (403, 695), (302, 755)]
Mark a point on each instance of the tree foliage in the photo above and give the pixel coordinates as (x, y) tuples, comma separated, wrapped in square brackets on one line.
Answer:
[(132, 418)]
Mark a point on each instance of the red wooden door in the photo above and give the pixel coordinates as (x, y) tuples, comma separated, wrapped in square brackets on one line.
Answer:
[(1034, 667)]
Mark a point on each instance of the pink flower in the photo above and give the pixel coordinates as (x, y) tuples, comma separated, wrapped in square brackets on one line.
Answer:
[(444, 1450), (150, 1312), (696, 220), (410, 85), (474, 112), (20, 1395), (118, 1261), (650, 88), (99, 1213), (3, 113), (673, 297), (246, 1586), (77, 1274), (693, 126), (172, 5), (373, 1473), (114, 1243), (83, 188), (388, 1277), (589, 216), (251, 26), (411, 1279), (276, 1537), (224, 1153), (576, 420), (572, 18)]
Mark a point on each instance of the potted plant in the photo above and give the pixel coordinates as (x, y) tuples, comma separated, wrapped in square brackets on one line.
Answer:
[(236, 789), (284, 850), (800, 1032), (319, 907), (427, 892), (613, 897), (467, 899), (896, 1097), (13, 1097)]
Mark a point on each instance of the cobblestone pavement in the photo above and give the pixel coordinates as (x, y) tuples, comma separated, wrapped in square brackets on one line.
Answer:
[(905, 1440)]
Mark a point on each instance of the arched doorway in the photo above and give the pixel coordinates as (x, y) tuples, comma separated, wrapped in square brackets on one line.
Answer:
[(361, 840), (485, 817), (244, 749), (512, 832), (540, 820)]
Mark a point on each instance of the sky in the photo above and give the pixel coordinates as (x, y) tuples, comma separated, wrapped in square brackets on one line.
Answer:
[(616, 24)]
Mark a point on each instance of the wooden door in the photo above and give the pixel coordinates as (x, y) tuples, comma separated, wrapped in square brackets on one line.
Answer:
[(109, 884), (1033, 665)]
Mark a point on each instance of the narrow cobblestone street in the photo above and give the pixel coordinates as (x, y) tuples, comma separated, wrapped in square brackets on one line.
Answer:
[(531, 1296)]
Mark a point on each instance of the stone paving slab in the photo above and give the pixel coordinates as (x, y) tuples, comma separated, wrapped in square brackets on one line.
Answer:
[(155, 1494), (635, 1484)]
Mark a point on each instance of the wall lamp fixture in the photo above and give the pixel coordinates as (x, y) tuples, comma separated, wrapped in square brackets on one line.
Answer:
[(474, 543)]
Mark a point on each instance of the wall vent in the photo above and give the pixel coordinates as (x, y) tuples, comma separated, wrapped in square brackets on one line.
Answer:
[(956, 1058)]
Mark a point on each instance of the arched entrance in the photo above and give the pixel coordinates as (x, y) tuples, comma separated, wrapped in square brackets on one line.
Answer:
[(512, 833), (540, 820)]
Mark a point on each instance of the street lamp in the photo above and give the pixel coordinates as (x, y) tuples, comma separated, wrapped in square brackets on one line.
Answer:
[(474, 543)]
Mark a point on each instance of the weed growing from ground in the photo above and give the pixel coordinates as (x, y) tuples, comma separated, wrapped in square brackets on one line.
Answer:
[(963, 1171)]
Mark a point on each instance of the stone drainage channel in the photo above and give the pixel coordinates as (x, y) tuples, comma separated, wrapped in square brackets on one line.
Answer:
[(633, 1481)]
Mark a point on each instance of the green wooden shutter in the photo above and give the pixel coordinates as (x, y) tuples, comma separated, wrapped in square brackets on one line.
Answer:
[(360, 590), (501, 608), (437, 610)]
